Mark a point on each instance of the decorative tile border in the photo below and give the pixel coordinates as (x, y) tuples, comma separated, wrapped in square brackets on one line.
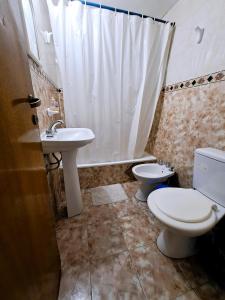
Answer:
[(38, 69), (194, 82)]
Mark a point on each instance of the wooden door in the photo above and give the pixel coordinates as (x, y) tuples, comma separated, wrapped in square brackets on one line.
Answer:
[(29, 259)]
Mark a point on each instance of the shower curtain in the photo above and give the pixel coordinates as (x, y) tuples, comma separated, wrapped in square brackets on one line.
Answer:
[(112, 68)]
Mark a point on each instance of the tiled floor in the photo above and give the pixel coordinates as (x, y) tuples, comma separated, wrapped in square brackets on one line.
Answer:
[(108, 194), (109, 252)]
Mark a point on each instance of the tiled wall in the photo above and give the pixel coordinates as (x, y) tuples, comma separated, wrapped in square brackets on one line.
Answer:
[(189, 115), (45, 90), (104, 175)]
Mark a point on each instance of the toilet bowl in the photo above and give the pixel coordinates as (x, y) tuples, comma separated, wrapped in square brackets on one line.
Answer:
[(186, 214), (150, 175), (189, 213)]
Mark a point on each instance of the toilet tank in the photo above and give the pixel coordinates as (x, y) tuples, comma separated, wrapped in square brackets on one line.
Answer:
[(209, 173)]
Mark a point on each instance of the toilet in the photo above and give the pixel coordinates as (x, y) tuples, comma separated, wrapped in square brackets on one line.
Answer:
[(189, 213), (150, 175)]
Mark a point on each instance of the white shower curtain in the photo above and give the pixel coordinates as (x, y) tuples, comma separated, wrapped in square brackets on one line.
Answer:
[(112, 67)]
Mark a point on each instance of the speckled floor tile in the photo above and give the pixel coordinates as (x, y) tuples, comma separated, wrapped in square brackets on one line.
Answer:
[(210, 291), (108, 194), (130, 207), (125, 208), (131, 188), (75, 283), (158, 276), (105, 238), (112, 247), (141, 204), (138, 231), (188, 296), (73, 243), (75, 221), (101, 213), (192, 271), (114, 277), (86, 197)]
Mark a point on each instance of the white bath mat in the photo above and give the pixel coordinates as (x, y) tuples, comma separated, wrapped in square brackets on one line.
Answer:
[(108, 194)]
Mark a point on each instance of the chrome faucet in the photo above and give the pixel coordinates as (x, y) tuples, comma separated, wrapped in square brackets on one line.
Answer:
[(52, 128)]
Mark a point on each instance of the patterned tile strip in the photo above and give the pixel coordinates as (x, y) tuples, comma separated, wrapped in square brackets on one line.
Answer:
[(194, 82), (38, 69)]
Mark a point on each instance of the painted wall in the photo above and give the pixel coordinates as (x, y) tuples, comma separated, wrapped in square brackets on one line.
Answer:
[(151, 7), (189, 59)]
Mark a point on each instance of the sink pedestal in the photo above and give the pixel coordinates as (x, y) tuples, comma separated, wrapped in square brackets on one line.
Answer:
[(72, 185), (68, 141)]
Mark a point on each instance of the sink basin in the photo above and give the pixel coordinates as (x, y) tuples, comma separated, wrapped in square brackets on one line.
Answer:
[(67, 139)]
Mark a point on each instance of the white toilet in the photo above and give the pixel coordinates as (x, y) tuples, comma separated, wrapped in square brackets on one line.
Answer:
[(189, 213), (150, 175)]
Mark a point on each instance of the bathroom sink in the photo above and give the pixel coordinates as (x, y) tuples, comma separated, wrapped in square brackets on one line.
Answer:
[(67, 139)]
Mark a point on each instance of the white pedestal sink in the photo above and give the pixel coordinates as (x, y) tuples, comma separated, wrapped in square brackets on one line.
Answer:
[(67, 141)]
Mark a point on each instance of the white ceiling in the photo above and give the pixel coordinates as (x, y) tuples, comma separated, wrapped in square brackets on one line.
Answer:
[(154, 8)]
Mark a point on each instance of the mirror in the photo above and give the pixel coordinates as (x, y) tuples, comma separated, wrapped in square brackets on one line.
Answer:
[(30, 27), (40, 40)]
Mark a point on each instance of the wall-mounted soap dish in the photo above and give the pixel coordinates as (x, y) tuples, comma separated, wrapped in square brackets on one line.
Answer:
[(52, 111)]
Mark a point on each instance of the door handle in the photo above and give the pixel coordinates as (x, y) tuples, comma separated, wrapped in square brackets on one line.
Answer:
[(33, 101)]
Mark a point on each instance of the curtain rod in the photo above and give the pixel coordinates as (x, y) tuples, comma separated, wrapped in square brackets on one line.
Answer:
[(93, 4)]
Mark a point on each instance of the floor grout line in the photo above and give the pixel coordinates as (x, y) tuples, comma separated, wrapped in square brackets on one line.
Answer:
[(138, 276)]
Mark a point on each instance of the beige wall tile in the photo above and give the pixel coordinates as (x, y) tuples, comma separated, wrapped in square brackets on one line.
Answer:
[(185, 120)]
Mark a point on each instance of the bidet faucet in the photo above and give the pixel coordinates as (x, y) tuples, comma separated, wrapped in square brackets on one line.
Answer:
[(52, 128), (167, 164)]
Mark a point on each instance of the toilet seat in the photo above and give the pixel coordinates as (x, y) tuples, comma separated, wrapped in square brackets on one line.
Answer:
[(185, 205), (187, 228)]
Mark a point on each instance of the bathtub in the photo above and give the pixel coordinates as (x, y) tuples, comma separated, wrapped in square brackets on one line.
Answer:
[(97, 174)]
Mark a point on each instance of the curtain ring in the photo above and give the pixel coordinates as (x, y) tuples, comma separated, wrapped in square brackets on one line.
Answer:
[(85, 5), (128, 13)]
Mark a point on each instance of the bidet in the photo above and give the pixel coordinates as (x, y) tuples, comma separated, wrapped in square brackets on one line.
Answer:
[(150, 175)]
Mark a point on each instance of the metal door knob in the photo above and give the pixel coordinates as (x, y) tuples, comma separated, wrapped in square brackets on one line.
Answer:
[(33, 101)]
